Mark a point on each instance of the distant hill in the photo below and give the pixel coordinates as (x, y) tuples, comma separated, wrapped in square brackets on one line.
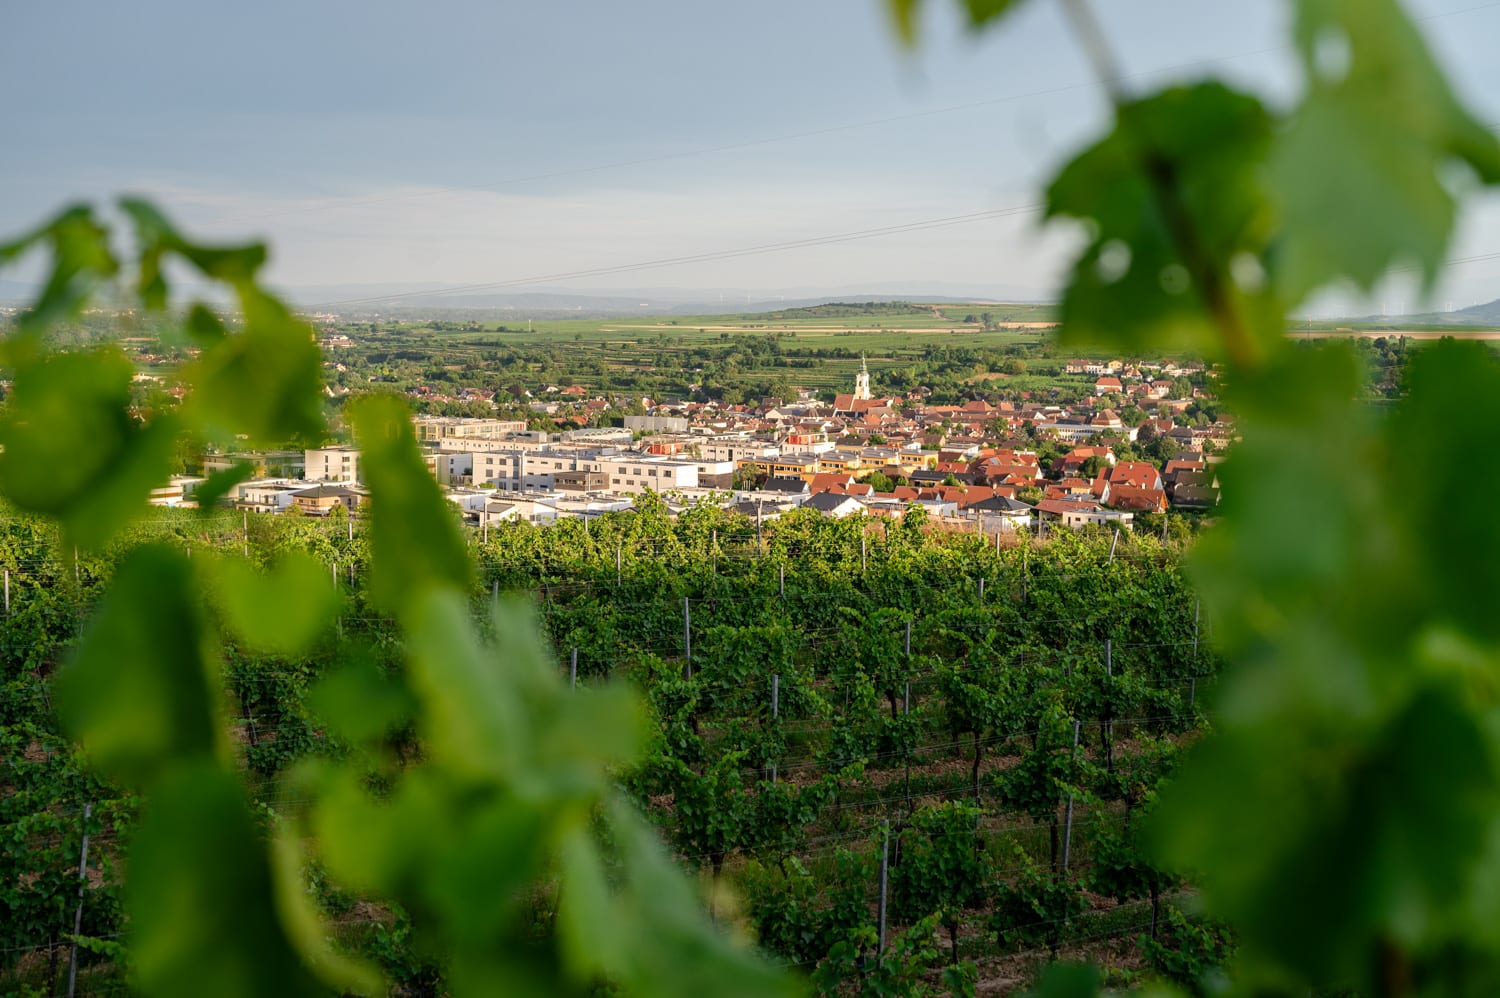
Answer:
[(543, 305), (1487, 314)]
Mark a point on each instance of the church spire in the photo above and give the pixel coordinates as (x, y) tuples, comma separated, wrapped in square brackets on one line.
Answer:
[(862, 380)]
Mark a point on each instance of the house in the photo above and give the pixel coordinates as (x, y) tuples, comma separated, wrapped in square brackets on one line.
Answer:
[(1138, 500), (762, 510), (999, 514), (1194, 496), (1072, 462), (527, 510), (834, 506), (1136, 474), (1075, 513), (1068, 488), (826, 482), (786, 486), (1193, 489), (320, 500), (1108, 385)]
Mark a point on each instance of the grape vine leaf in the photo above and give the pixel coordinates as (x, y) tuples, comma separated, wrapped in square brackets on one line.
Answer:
[(142, 694), (1133, 285), (279, 612), (414, 530), (1460, 386), (81, 260), (72, 449), (1359, 170), (207, 913), (263, 382)]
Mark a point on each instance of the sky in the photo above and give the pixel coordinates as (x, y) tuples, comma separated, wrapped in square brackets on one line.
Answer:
[(383, 145)]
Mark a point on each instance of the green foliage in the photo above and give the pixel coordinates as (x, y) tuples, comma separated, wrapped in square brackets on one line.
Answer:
[(1192, 954), (1035, 907), (72, 450), (942, 866), (137, 721), (1359, 171), (901, 972), (1136, 284)]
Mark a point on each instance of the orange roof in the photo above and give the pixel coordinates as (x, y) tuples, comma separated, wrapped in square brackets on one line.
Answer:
[(1129, 497)]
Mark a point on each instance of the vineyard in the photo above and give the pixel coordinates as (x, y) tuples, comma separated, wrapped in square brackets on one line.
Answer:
[(897, 759)]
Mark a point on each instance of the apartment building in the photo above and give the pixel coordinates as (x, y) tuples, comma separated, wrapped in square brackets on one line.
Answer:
[(431, 429), (331, 464), (619, 471)]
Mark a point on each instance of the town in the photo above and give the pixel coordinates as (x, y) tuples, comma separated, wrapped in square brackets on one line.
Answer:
[(989, 468)]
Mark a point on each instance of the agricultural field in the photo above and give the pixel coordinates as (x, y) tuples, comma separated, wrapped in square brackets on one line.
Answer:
[(738, 356)]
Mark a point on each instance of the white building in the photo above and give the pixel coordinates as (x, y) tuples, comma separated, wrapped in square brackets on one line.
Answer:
[(331, 464)]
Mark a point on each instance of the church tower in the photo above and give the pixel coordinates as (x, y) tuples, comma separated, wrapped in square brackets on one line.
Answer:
[(862, 380)]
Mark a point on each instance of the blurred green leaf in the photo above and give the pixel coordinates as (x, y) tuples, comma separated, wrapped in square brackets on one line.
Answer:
[(1306, 548), (81, 259), (495, 854), (376, 845), (216, 486), (203, 912), (476, 721), (1445, 486), (591, 929), (360, 704), (414, 530), (72, 449), (1069, 980), (671, 931), (142, 695), (1132, 286), (1364, 847), (263, 382), (306, 933), (205, 326), (1359, 171), (280, 612), (234, 265)]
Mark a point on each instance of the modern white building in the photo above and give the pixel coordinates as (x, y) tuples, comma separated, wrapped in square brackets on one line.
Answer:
[(331, 464)]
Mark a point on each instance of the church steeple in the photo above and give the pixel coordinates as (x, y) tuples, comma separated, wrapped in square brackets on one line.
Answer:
[(862, 380)]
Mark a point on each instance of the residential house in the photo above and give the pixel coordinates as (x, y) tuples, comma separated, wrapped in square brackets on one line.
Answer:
[(999, 514), (1137, 499), (322, 499), (833, 505), (1136, 474), (1076, 513)]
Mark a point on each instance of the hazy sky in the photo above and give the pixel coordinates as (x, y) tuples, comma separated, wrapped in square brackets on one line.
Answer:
[(459, 142)]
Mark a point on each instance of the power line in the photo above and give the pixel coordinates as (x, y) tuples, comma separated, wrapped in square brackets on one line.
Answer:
[(917, 226)]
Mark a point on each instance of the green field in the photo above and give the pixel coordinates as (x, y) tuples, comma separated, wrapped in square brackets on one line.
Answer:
[(816, 348)]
